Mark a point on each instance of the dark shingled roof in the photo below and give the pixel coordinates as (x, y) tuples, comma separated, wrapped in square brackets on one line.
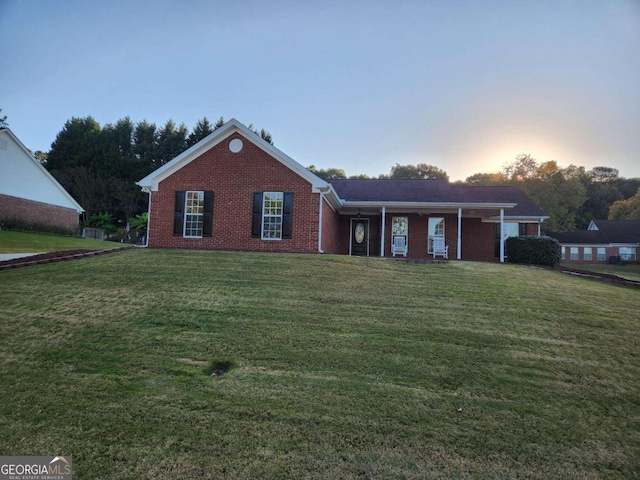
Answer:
[(434, 191), (580, 236), (609, 231)]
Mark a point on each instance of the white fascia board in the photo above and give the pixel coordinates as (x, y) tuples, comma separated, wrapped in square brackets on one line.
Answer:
[(432, 205), (588, 244), (519, 218), (78, 208), (153, 180)]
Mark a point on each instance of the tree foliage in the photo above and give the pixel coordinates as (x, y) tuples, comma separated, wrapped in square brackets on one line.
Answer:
[(421, 170), (3, 120), (328, 173), (571, 196), (628, 209), (100, 165)]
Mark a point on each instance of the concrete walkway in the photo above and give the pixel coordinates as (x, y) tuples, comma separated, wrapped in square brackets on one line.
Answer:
[(11, 256)]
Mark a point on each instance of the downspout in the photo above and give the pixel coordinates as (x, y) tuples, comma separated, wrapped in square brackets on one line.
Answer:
[(384, 225), (320, 210), (146, 243), (459, 255), (502, 235)]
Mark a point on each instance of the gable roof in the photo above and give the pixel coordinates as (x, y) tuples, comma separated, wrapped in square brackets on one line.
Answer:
[(603, 232), (151, 181), (618, 231), (438, 193), (23, 176)]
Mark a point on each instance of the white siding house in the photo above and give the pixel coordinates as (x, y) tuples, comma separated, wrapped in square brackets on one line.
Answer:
[(28, 192)]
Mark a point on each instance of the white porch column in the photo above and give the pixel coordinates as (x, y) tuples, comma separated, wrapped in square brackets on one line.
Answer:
[(539, 227), (502, 235), (384, 224), (459, 249)]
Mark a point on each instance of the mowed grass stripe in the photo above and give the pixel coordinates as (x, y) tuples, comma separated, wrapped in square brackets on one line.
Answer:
[(341, 367)]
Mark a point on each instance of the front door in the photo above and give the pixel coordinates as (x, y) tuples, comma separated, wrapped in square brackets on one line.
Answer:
[(359, 237)]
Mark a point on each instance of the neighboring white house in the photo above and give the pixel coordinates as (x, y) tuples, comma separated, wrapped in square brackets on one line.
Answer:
[(28, 192)]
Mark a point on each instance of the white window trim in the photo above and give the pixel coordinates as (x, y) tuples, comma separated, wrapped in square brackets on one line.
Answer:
[(587, 256), (604, 254), (270, 215), (187, 215)]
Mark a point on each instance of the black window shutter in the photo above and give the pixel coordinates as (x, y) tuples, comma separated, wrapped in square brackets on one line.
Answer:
[(256, 217), (287, 214), (207, 220), (178, 215)]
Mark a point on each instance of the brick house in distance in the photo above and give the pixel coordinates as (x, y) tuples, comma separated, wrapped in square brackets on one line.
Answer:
[(235, 191), (603, 241), (28, 192)]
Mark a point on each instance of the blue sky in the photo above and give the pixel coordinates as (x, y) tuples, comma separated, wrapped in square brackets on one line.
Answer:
[(358, 85)]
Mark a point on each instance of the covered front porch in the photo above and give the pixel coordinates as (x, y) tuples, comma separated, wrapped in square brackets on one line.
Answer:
[(469, 233)]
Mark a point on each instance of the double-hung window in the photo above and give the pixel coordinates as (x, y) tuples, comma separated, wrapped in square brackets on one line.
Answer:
[(272, 215), (574, 252), (272, 203), (627, 254), (587, 254), (602, 254), (193, 214)]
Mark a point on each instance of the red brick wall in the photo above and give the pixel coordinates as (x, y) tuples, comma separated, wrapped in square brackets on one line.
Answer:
[(478, 240), (532, 229), (233, 177), (37, 213), (330, 229), (610, 251)]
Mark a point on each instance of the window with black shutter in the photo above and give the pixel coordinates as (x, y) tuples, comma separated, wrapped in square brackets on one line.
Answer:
[(193, 214), (272, 215)]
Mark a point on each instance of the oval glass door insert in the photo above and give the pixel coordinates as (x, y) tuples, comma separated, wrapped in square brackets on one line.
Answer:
[(359, 233)]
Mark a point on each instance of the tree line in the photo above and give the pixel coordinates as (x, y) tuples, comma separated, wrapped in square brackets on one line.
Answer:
[(99, 166), (571, 196)]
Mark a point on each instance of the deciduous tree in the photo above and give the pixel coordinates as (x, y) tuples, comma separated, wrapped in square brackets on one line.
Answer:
[(628, 209), (421, 170)]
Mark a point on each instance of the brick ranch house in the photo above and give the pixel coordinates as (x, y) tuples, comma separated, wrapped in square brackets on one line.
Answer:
[(28, 192), (235, 191), (603, 241)]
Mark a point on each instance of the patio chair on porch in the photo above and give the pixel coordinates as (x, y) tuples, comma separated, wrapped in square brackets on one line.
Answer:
[(439, 248), (399, 246)]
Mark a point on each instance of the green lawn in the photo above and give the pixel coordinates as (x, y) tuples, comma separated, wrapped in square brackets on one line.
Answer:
[(340, 367), (18, 242), (629, 271)]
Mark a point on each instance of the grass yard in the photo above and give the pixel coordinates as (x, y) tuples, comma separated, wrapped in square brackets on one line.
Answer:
[(338, 367), (19, 242), (629, 271)]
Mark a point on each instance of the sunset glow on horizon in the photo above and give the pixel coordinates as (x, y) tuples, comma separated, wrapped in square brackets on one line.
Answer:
[(466, 86)]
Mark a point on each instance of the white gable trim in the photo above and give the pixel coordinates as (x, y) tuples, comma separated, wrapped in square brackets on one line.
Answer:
[(152, 181), (45, 173)]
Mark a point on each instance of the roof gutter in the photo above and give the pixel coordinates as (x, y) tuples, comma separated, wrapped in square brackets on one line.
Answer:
[(380, 204)]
